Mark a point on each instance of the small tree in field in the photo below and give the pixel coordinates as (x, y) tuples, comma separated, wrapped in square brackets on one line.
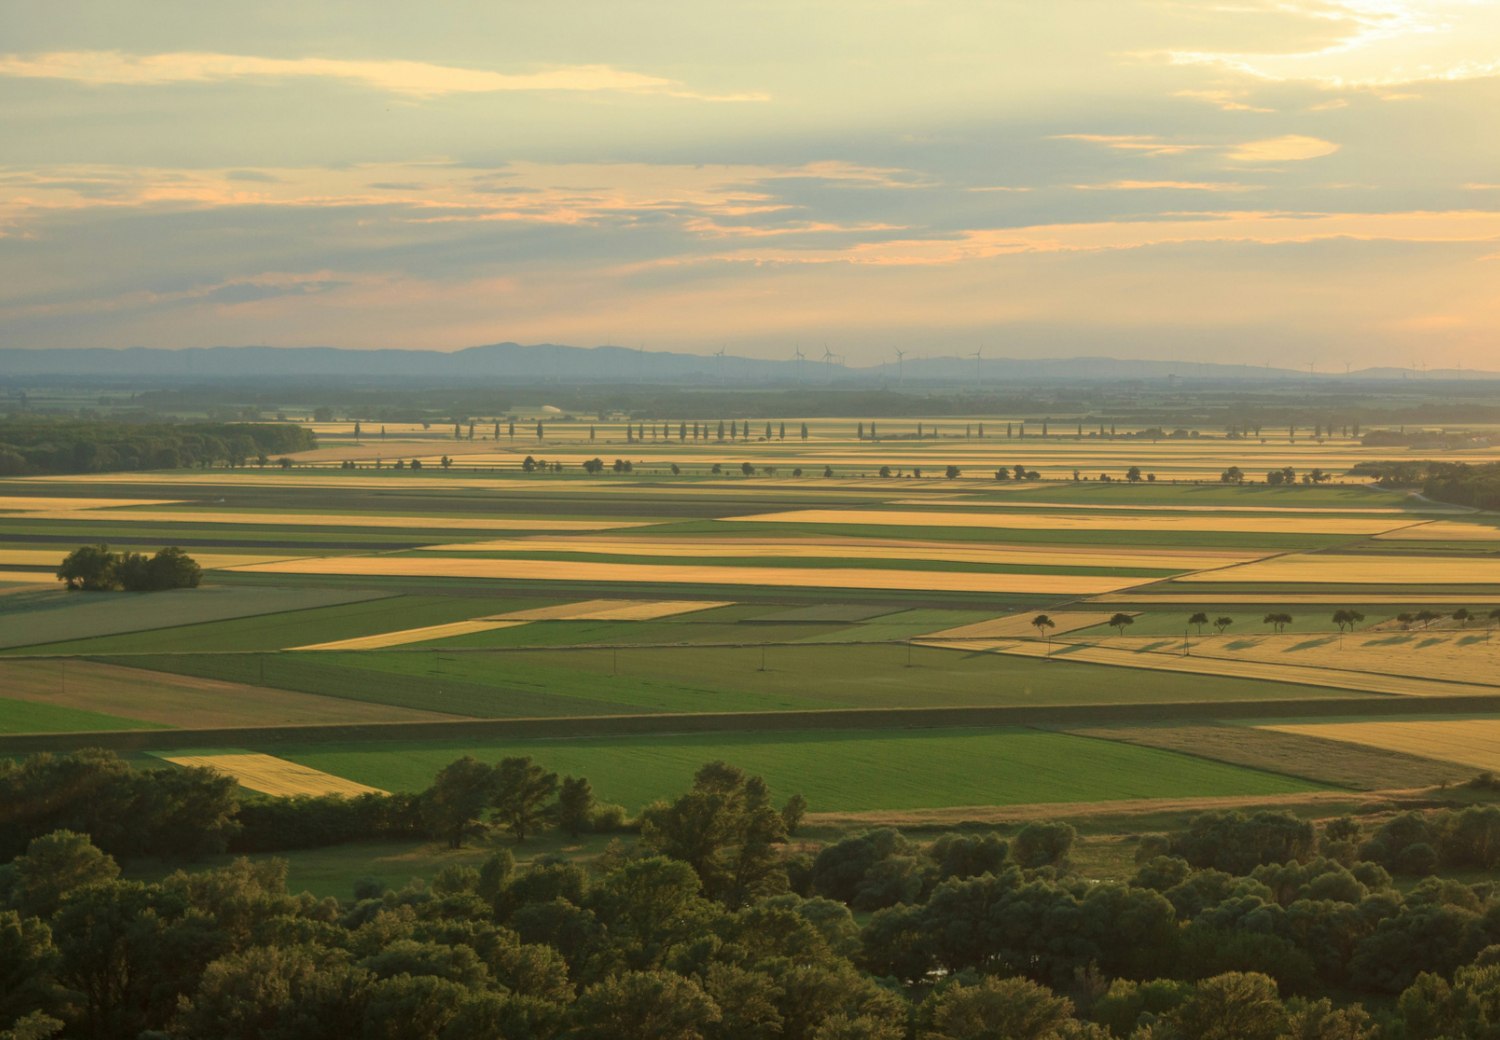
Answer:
[(1462, 615), (1198, 620), (1277, 621), (1222, 623), (1044, 626), (1347, 619), (523, 793), (1427, 617), (1122, 622)]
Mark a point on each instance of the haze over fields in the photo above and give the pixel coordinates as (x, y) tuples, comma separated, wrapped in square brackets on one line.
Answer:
[(1267, 182)]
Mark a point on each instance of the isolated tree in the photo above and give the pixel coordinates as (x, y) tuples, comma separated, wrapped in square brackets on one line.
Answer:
[(1427, 617), (676, 470), (1494, 616), (1222, 623), (1122, 621), (1406, 618), (885, 471), (1133, 474), (1462, 615), (747, 469), (575, 805), (793, 812), (804, 431), (523, 795), (1278, 621), (1232, 475), (539, 431), (90, 568), (1044, 626), (1198, 620), (827, 471), (952, 471)]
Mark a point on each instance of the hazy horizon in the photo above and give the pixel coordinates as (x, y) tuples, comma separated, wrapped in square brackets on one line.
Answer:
[(1271, 182)]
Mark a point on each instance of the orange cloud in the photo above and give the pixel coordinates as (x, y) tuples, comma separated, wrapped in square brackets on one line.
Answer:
[(410, 78), (1290, 148)]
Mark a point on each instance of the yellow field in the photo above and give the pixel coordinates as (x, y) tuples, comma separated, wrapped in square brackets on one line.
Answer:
[(434, 523), (1169, 661), (1187, 525), (29, 577), (678, 574), (973, 501), (412, 635), (1323, 569), (38, 504), (1230, 600), (866, 548), (1446, 531), (208, 561), (277, 776), (1469, 742), (1452, 655), (613, 610), (1020, 625)]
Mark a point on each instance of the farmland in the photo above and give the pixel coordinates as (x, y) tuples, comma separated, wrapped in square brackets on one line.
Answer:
[(796, 580)]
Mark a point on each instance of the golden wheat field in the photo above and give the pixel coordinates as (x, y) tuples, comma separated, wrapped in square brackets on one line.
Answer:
[(435, 523), (1446, 531), (1186, 525), (1170, 659), (1020, 625), (28, 577), (865, 548), (208, 561), (614, 610), (271, 775), (1331, 569), (687, 574), (40, 504), (1469, 742), (411, 635), (1171, 601), (1451, 655)]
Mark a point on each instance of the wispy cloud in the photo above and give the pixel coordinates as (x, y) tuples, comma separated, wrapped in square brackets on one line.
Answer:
[(1166, 186), (407, 78), (1148, 144)]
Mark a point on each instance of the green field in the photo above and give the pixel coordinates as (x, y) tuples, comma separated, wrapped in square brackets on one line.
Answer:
[(838, 771)]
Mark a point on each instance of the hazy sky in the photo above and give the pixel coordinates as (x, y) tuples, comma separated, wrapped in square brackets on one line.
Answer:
[(1244, 180)]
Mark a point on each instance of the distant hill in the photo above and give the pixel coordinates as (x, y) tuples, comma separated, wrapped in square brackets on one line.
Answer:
[(555, 363)]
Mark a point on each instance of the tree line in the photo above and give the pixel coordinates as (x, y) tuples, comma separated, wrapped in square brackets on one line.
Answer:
[(39, 446)]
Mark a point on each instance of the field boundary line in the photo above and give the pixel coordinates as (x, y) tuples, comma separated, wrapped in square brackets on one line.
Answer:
[(662, 724)]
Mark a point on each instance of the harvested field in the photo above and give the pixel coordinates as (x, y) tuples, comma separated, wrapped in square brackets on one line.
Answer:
[(1446, 531), (612, 610), (1168, 659), (1229, 599), (868, 548), (412, 635), (28, 577), (39, 503), (417, 523), (272, 775), (1454, 655), (170, 699), (1020, 625), (1335, 569), (208, 561), (1312, 757), (1185, 525), (677, 574), (1290, 509), (1468, 742)]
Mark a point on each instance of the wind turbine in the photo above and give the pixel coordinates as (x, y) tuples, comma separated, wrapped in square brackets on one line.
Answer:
[(900, 359), (977, 356), (798, 357), (720, 355), (829, 357)]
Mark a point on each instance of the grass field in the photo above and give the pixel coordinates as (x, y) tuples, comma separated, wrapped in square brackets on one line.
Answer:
[(839, 771)]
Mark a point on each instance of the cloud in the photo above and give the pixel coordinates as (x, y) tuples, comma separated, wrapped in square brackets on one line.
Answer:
[(407, 78), (1228, 100), (1290, 148), (1166, 186), (1149, 144)]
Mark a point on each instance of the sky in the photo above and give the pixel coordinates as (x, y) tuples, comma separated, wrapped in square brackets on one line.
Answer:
[(1295, 182)]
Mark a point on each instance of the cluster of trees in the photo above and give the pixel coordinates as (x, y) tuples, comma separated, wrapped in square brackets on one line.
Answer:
[(39, 446), (1460, 483), (1244, 926), (97, 568)]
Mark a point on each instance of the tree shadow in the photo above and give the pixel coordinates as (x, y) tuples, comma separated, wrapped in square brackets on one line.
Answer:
[(1471, 639), (1308, 644), (1242, 644), (1157, 645), (1431, 641), (1405, 637)]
